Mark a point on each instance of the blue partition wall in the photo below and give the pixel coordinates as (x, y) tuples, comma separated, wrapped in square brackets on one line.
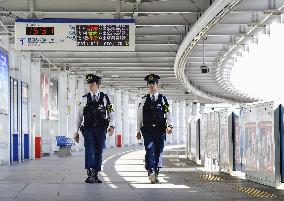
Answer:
[(15, 147), (26, 146), (281, 122)]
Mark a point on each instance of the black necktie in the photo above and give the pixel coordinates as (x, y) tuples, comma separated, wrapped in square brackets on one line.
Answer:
[(153, 98)]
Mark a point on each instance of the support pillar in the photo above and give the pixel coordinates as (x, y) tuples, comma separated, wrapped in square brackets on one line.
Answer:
[(125, 119), (176, 130), (182, 121), (118, 111)]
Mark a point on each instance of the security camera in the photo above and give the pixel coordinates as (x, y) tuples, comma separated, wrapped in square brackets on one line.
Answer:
[(204, 68), (186, 92)]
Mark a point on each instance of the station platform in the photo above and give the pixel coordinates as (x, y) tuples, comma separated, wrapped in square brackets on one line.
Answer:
[(124, 178)]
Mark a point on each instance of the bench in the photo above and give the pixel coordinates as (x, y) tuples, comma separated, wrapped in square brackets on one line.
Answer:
[(64, 144)]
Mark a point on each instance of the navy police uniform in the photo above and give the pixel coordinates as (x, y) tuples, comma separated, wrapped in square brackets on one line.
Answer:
[(97, 115), (153, 118)]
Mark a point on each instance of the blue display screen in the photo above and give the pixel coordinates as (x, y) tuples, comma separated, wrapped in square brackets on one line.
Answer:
[(4, 81)]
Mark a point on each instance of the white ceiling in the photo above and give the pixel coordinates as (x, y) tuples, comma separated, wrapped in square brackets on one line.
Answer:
[(161, 26)]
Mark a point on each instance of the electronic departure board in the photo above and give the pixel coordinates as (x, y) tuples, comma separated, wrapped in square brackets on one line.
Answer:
[(102, 35), (39, 30), (75, 34)]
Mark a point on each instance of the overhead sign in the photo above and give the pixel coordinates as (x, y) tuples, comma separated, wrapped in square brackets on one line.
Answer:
[(75, 34)]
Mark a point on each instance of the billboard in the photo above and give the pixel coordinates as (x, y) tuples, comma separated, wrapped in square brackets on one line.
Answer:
[(4, 82), (250, 146), (265, 148), (260, 143)]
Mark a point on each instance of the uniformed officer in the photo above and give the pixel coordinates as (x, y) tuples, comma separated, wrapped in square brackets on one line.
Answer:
[(97, 117), (154, 121)]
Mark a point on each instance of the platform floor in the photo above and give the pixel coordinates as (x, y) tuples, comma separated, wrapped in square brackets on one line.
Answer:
[(124, 179)]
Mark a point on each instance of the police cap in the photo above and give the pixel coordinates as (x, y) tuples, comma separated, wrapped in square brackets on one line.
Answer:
[(93, 78), (152, 78)]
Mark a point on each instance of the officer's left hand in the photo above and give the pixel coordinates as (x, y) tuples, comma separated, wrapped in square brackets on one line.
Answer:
[(110, 131), (169, 130)]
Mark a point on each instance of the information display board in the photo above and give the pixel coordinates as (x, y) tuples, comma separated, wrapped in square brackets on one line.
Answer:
[(75, 34), (4, 82)]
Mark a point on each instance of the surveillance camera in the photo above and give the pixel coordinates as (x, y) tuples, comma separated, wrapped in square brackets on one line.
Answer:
[(186, 92), (204, 69)]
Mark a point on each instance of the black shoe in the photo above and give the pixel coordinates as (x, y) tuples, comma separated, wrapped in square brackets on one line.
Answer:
[(151, 175), (89, 180), (97, 180), (95, 177), (157, 171)]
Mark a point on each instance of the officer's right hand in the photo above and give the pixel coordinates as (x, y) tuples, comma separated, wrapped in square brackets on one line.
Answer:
[(76, 137), (139, 135), (169, 130)]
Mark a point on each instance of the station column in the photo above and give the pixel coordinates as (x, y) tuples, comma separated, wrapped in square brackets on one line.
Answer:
[(125, 118), (118, 111)]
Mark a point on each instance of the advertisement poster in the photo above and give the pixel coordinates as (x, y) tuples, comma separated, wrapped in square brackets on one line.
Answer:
[(224, 144), (4, 82), (44, 96), (212, 142), (53, 100), (250, 146), (265, 146)]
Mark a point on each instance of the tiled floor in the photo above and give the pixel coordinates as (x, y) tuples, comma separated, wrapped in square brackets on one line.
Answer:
[(124, 178)]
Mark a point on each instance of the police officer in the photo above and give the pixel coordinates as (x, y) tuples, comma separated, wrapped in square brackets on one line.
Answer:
[(97, 117), (154, 121)]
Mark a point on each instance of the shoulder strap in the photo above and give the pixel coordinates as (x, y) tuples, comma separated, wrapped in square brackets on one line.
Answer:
[(89, 97), (148, 97), (160, 96), (107, 99), (165, 99), (102, 95)]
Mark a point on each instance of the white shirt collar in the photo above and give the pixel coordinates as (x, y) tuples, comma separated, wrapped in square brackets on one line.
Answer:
[(97, 93), (155, 94)]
